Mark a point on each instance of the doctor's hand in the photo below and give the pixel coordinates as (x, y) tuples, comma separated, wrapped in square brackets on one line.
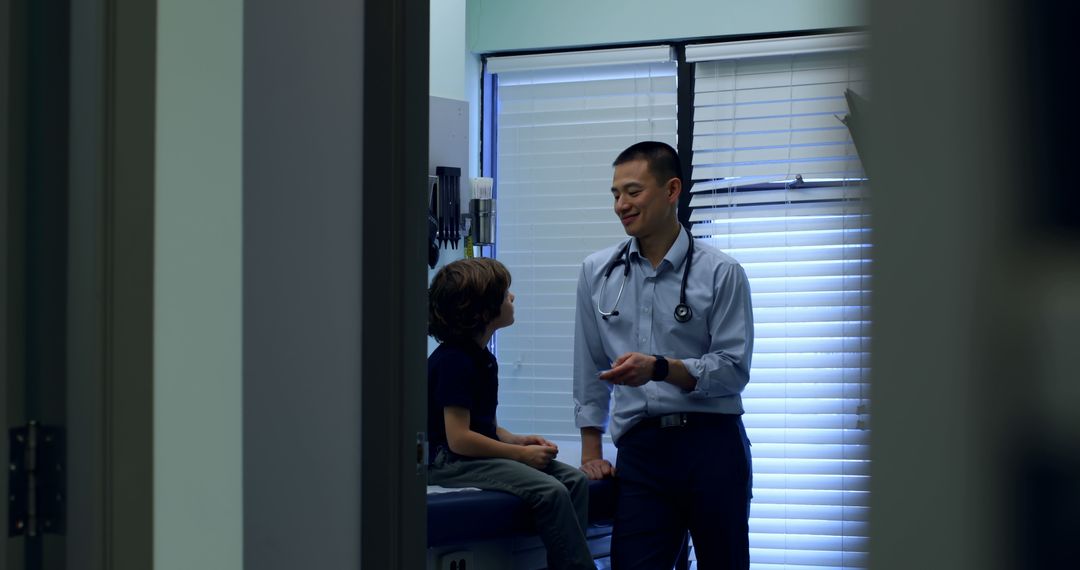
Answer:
[(631, 369), (597, 469), (536, 456)]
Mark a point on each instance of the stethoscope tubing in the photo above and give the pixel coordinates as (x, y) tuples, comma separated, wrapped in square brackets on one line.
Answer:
[(683, 312)]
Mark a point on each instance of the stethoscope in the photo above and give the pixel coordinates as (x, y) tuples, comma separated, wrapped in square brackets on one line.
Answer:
[(683, 312)]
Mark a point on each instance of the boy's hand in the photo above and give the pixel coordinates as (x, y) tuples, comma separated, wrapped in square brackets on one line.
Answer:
[(537, 456), (537, 440)]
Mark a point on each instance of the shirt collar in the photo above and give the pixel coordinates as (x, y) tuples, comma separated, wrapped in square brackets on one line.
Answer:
[(675, 256)]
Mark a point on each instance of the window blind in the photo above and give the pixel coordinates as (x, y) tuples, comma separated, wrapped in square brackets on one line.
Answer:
[(806, 404), (774, 118), (558, 128), (777, 185)]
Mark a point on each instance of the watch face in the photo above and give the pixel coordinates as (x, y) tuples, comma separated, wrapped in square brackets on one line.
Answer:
[(660, 369)]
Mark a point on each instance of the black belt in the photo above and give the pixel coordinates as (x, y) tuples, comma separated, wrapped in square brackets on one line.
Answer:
[(687, 419)]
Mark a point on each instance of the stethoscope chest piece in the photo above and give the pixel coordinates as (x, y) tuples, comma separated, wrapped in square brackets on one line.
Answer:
[(683, 313)]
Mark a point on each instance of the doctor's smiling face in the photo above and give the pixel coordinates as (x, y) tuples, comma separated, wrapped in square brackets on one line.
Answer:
[(644, 205)]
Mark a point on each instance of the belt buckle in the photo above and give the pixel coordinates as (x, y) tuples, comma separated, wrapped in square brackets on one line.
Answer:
[(673, 420)]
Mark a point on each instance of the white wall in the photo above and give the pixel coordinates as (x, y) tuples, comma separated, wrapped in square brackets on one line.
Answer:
[(497, 25), (198, 511), (447, 52)]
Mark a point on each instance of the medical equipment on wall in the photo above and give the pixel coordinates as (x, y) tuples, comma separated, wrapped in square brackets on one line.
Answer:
[(447, 225), (446, 205), (683, 312), (482, 212), (444, 211)]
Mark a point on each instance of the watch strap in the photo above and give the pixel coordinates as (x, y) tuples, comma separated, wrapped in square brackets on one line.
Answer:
[(660, 368)]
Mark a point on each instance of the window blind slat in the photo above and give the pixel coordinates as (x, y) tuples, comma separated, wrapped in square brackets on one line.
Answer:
[(704, 129), (574, 120), (784, 169)]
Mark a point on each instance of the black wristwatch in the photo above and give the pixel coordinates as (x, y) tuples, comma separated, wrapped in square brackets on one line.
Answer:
[(660, 368)]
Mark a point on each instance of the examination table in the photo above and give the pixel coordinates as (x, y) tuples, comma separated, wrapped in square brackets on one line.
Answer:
[(493, 529)]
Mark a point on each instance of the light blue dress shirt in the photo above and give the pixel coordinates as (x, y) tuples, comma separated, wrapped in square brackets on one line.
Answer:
[(715, 345)]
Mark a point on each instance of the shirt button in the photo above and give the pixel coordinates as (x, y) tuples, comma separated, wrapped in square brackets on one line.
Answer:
[(642, 340), (646, 309)]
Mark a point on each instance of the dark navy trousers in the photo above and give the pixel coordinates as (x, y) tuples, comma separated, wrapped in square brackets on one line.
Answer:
[(694, 477)]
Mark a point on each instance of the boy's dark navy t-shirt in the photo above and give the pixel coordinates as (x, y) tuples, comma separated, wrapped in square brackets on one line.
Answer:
[(464, 375)]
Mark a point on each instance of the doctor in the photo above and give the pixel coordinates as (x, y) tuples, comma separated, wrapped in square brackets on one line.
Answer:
[(663, 338)]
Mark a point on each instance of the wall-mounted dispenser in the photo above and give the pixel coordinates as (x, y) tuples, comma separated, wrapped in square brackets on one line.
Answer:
[(482, 211), (483, 220)]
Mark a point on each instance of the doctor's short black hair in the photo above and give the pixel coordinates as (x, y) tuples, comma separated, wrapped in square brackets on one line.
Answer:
[(664, 163), (464, 296)]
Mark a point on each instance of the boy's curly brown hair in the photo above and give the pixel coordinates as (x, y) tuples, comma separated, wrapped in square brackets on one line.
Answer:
[(464, 297)]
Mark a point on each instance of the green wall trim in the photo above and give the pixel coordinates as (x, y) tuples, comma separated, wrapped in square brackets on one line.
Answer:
[(517, 25)]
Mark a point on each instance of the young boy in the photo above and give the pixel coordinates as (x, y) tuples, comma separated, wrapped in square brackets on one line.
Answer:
[(468, 301)]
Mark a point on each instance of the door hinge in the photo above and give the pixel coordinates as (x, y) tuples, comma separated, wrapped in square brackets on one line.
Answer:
[(421, 453), (36, 480)]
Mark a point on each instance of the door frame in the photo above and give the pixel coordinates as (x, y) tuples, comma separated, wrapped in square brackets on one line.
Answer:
[(111, 269), (394, 283)]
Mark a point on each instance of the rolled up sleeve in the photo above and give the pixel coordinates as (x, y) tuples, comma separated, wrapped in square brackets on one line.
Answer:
[(591, 396), (725, 369)]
